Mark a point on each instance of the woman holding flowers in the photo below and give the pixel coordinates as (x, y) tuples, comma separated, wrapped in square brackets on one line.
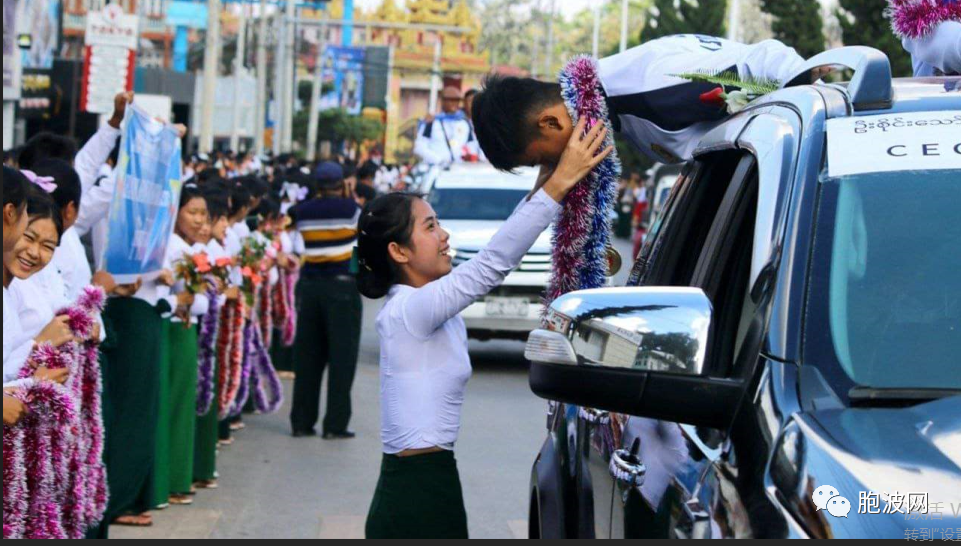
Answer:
[(188, 300)]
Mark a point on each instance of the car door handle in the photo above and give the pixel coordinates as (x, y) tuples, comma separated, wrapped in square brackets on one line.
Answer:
[(627, 469)]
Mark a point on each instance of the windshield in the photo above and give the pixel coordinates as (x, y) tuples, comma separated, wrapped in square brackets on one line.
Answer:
[(884, 308), (474, 203)]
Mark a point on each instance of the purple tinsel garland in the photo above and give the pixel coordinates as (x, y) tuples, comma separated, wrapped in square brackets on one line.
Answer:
[(582, 231), (207, 354), (59, 445), (916, 18), (264, 377)]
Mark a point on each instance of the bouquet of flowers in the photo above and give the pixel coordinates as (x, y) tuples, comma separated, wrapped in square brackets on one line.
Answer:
[(251, 261), (221, 269), (193, 270)]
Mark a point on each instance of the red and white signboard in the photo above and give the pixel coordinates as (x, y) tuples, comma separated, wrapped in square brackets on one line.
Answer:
[(109, 58)]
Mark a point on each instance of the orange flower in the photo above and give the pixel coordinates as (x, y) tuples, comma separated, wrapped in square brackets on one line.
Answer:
[(202, 263), (247, 272), (224, 262), (256, 279)]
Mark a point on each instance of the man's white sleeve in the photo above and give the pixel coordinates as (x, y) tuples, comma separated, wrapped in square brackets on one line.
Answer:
[(771, 60), (95, 204), (425, 149), (94, 154)]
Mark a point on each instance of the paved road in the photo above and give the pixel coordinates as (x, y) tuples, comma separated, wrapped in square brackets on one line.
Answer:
[(272, 485)]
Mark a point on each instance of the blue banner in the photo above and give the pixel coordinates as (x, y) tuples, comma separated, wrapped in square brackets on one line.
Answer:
[(145, 200), (344, 68)]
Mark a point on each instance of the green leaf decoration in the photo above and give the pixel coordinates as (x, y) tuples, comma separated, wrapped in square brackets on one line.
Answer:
[(727, 78)]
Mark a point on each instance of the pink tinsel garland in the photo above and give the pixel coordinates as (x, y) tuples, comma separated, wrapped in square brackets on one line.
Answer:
[(285, 310), (59, 446), (230, 347), (916, 18)]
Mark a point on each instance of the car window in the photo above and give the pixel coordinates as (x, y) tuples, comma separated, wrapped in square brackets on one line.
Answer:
[(474, 203), (724, 267), (686, 222)]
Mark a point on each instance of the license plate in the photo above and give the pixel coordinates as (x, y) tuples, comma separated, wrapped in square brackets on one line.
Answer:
[(507, 307)]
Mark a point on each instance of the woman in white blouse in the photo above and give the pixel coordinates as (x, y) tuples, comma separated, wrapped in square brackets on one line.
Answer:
[(14, 223), (31, 319), (404, 254)]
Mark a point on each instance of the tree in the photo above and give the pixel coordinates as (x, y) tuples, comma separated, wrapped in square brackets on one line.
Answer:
[(685, 17), (863, 23), (339, 127), (798, 24)]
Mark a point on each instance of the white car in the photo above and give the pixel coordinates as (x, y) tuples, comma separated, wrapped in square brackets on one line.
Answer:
[(472, 202)]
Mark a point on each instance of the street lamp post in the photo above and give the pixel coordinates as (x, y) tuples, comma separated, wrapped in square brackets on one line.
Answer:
[(211, 56), (260, 109), (238, 72), (314, 113)]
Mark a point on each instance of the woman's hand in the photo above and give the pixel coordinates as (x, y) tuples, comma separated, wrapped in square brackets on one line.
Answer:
[(128, 290), (57, 332), (104, 280), (185, 299), (166, 278), (58, 375), (95, 332), (13, 410), (578, 159), (232, 293)]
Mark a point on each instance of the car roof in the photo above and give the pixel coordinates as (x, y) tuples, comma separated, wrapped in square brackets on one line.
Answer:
[(484, 176)]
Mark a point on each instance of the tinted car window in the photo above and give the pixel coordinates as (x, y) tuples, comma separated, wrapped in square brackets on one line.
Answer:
[(885, 298), (474, 203)]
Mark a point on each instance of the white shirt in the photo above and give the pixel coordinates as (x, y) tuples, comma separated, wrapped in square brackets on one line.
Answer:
[(938, 50), (445, 140), (16, 346), (94, 209), (70, 263), (661, 113), (424, 364)]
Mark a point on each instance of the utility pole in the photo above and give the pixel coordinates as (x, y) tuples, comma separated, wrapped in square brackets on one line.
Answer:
[(435, 80), (549, 54), (624, 21), (211, 60), (279, 86), (596, 39), (535, 46), (238, 72), (261, 107), (734, 20), (290, 59), (314, 113)]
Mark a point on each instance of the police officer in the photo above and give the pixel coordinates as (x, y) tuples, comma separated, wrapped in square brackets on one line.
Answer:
[(449, 137), (330, 309)]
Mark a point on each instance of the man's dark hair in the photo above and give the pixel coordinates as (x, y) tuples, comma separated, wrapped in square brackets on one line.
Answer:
[(503, 116), (240, 198), (47, 146), (218, 202), (367, 171), (66, 179), (365, 192)]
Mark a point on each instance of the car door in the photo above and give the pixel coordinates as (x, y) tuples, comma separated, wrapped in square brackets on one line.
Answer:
[(678, 459), (701, 498)]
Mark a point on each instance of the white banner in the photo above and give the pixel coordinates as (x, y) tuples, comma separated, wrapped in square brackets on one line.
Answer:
[(894, 142), (111, 27)]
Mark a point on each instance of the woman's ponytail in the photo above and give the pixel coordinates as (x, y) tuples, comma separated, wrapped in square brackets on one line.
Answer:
[(387, 219)]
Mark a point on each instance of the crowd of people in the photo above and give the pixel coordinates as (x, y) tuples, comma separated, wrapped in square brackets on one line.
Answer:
[(257, 283)]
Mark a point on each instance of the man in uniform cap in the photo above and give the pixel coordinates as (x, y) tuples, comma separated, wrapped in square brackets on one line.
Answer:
[(449, 137), (329, 319)]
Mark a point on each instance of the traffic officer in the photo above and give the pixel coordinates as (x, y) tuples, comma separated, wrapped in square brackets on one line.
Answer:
[(449, 137), (329, 318)]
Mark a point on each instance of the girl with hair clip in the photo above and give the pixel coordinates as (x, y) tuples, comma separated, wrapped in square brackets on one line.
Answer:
[(403, 253), (29, 307), (14, 223)]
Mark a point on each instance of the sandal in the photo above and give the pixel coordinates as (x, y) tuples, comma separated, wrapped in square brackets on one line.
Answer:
[(239, 425), (206, 484), (181, 500), (134, 520)]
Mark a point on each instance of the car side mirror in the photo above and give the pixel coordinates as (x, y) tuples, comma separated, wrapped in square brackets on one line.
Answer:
[(638, 351)]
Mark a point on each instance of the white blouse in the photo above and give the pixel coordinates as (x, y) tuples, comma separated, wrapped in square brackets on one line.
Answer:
[(16, 345), (424, 364)]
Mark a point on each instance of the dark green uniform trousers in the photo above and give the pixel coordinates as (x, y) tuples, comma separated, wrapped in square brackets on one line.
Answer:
[(418, 497), (328, 336)]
